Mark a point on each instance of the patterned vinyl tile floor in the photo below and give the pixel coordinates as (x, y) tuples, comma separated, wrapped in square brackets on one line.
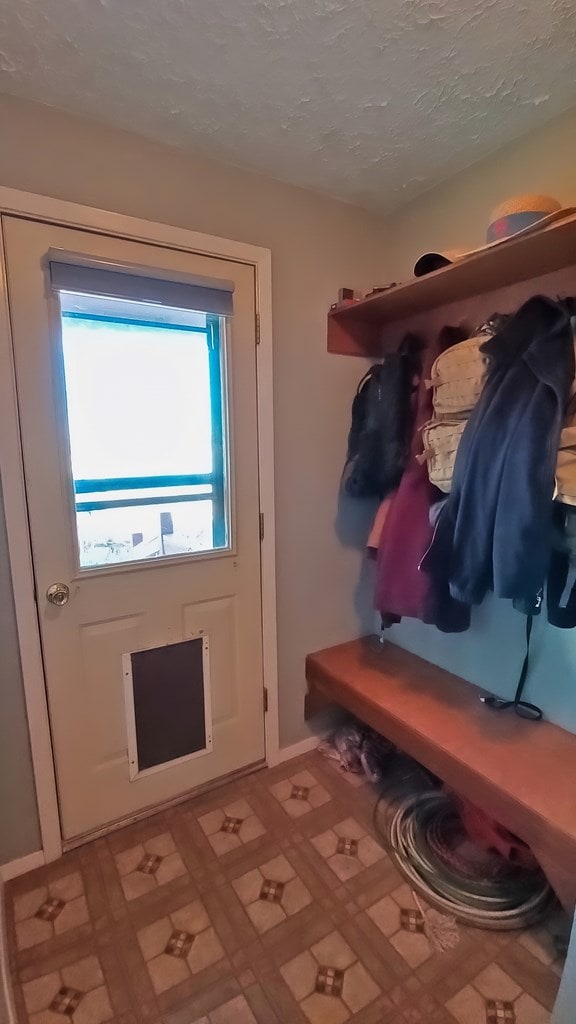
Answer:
[(267, 901)]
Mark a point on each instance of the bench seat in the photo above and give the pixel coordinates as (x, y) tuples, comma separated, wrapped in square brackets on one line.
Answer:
[(522, 773)]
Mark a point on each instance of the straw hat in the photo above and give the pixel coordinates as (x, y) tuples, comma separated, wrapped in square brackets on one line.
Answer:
[(516, 216)]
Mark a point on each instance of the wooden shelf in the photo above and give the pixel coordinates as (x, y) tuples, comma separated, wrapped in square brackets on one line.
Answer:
[(514, 769), (357, 329)]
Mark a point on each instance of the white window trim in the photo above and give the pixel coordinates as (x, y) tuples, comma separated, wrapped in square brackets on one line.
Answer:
[(56, 211)]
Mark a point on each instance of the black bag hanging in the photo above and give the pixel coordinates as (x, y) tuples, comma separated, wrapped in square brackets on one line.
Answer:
[(382, 416)]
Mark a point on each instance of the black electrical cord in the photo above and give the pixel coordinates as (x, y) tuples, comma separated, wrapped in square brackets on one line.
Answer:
[(522, 707)]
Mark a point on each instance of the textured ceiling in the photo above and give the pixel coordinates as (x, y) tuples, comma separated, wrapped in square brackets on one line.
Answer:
[(372, 101)]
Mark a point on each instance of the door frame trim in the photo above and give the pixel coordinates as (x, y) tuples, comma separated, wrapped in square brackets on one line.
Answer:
[(73, 215)]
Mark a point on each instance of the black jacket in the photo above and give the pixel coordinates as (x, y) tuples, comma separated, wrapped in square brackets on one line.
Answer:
[(495, 531)]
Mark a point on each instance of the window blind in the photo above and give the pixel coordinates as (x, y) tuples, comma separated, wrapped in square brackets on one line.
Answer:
[(214, 297)]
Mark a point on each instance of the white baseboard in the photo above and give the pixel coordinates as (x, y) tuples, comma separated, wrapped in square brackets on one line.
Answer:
[(297, 749), (21, 865), (7, 1011)]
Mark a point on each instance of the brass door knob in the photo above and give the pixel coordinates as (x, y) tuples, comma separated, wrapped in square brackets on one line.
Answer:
[(58, 594)]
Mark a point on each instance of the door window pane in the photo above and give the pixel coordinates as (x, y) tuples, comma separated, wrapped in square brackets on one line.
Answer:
[(145, 419)]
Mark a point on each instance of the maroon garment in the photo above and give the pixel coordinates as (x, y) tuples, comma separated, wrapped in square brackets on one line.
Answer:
[(401, 589), (490, 835)]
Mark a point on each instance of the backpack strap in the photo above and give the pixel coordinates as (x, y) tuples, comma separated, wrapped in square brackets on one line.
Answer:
[(521, 707)]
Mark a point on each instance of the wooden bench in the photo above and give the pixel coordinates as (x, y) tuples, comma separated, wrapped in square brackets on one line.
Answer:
[(521, 772)]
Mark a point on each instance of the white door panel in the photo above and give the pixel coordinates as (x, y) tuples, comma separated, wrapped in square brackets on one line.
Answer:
[(88, 371)]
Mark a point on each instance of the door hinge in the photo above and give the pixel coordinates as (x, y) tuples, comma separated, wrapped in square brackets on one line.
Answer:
[(265, 700), (257, 328), (261, 526)]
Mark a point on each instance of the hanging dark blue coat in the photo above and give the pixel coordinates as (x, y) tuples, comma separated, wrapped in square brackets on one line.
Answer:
[(495, 531)]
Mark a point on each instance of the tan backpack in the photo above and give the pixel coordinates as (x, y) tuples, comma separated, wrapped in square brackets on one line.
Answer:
[(458, 376), (566, 459), (441, 439)]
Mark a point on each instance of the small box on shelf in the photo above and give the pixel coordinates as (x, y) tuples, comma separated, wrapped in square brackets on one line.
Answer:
[(346, 297)]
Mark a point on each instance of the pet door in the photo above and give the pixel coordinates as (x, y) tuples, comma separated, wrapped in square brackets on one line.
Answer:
[(167, 691)]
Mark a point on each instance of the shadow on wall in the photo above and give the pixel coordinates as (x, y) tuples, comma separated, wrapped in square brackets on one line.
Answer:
[(353, 522), (490, 654)]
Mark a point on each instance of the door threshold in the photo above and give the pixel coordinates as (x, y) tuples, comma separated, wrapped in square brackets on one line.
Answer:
[(149, 812)]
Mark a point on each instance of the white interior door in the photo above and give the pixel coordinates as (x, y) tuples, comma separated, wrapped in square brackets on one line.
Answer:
[(136, 379)]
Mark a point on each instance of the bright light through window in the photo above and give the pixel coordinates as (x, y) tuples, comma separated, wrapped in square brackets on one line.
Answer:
[(146, 437)]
